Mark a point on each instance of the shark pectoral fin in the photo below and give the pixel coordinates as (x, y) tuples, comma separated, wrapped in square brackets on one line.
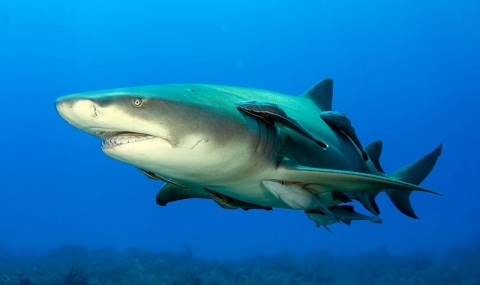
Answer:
[(273, 114), (345, 181), (374, 151), (171, 192), (340, 122), (413, 173)]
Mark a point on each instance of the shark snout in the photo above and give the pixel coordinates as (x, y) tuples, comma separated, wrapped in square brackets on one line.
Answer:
[(78, 112)]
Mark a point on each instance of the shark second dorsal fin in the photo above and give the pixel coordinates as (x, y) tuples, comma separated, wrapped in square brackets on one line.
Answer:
[(374, 150), (321, 94)]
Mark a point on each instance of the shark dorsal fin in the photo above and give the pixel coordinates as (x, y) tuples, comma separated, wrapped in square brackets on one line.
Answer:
[(321, 94), (374, 150)]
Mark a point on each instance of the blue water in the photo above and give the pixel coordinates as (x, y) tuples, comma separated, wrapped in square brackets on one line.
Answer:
[(406, 72)]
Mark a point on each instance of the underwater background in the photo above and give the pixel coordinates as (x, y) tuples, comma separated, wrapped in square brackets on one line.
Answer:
[(406, 72)]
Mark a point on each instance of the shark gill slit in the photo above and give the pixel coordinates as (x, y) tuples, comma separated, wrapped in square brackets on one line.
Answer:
[(269, 141), (261, 137), (276, 140)]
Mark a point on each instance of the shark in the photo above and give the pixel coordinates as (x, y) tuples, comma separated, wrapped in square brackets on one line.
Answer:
[(247, 148)]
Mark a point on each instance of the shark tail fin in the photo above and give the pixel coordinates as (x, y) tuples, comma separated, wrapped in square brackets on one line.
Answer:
[(413, 173)]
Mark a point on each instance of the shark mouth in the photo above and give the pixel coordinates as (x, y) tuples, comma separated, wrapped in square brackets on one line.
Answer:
[(115, 139)]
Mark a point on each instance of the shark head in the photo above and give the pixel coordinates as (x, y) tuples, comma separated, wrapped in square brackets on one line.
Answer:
[(161, 129)]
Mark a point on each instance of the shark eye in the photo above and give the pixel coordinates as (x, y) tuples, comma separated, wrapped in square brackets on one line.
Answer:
[(137, 102)]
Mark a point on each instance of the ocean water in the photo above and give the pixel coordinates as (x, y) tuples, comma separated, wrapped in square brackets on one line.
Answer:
[(405, 72)]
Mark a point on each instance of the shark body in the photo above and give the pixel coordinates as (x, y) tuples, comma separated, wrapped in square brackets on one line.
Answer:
[(244, 148)]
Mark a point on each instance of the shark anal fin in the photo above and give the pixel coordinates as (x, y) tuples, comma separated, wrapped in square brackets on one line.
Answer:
[(171, 192), (340, 122), (367, 199), (273, 114), (230, 203), (155, 176)]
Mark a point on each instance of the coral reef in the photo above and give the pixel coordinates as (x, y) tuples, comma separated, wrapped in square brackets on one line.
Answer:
[(76, 276), (78, 265)]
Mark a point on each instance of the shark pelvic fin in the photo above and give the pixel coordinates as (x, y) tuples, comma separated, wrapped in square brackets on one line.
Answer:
[(321, 94), (374, 151), (413, 173)]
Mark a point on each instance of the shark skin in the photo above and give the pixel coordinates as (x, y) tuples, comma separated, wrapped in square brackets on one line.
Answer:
[(197, 139)]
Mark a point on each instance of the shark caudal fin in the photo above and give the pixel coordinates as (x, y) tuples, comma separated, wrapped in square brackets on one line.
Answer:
[(413, 173)]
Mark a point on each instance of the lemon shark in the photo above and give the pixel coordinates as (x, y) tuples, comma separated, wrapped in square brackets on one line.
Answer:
[(246, 148)]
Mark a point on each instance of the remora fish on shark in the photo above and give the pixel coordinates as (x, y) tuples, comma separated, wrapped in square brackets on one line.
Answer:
[(246, 148)]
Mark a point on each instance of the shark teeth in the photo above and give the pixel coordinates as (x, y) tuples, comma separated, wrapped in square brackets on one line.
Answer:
[(122, 139)]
